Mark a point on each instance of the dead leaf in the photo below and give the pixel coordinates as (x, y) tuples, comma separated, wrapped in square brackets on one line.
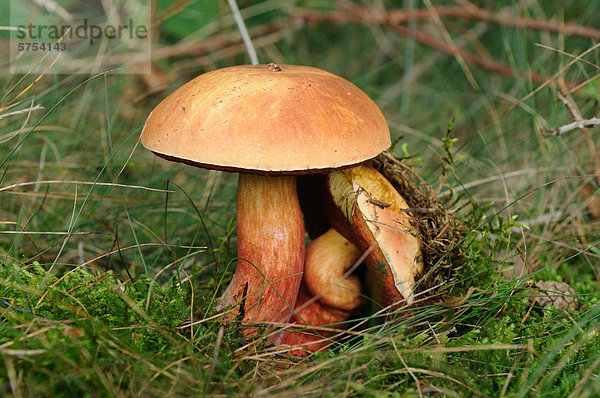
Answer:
[(592, 200), (559, 295), (74, 332)]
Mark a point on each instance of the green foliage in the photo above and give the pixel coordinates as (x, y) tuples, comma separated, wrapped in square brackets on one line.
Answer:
[(85, 326)]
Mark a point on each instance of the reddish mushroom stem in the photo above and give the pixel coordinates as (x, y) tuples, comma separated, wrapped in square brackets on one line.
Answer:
[(317, 324), (270, 249)]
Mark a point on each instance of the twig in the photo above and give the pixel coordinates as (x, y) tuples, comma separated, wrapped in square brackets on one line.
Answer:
[(575, 115), (206, 51), (108, 184), (209, 60), (12, 307), (243, 31), (28, 110), (510, 375), (475, 13), (417, 383), (51, 233), (529, 310), (484, 62), (582, 124), (12, 377), (579, 122), (568, 101), (13, 28), (571, 29), (423, 38)]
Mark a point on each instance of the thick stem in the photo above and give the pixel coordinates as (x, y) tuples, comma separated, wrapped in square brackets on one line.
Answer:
[(270, 249)]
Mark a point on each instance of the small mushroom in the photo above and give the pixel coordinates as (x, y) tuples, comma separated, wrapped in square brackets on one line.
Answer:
[(328, 297), (269, 124), (328, 258)]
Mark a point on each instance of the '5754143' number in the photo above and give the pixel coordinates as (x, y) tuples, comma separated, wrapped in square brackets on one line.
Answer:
[(42, 47)]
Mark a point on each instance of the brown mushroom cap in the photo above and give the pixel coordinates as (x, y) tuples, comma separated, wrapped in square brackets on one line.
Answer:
[(258, 119)]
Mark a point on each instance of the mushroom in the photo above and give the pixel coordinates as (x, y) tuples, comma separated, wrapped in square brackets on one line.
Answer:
[(328, 297), (269, 124), (314, 325), (369, 212), (328, 258)]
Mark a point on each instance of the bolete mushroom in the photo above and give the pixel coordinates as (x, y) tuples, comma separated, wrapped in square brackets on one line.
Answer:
[(369, 211), (328, 296), (328, 258), (269, 123)]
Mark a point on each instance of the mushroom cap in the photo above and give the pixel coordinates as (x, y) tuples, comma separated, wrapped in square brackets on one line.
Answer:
[(267, 119)]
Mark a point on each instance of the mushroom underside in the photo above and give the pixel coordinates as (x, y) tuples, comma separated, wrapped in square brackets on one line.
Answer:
[(369, 213)]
